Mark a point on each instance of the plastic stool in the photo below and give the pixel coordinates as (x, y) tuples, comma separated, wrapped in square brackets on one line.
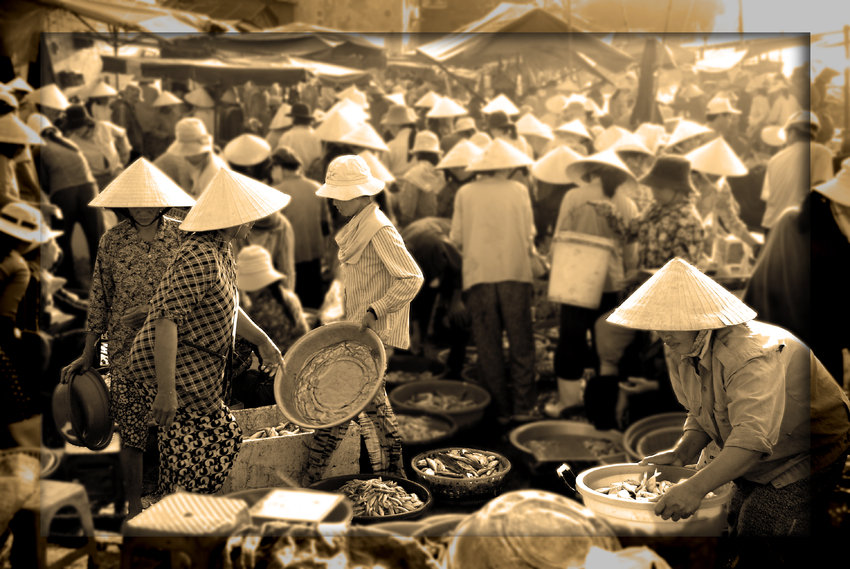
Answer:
[(98, 471), (53, 496)]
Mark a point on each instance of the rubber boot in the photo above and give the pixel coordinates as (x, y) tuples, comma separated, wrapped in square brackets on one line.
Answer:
[(600, 401), (569, 395)]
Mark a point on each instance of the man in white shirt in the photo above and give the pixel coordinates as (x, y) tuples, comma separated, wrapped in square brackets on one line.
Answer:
[(301, 138)]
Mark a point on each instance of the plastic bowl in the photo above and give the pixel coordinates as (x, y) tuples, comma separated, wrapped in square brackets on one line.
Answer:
[(335, 483), (404, 527), (629, 518), (468, 490), (330, 392), (464, 417), (435, 419), (639, 429), (658, 440), (568, 438), (425, 368)]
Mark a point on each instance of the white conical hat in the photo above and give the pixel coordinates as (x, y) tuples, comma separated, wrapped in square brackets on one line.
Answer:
[(142, 184), (552, 166), (680, 298), (575, 127), (609, 157), (19, 84), (609, 136), (200, 98), (718, 158), (427, 100), (231, 199), (49, 96), (102, 89), (14, 131), (281, 118), (684, 130), (481, 139), (446, 107), (461, 155), (621, 140), (652, 135), (838, 188), (247, 150), (500, 155), (355, 95), (397, 98), (335, 126), (377, 167), (529, 125), (38, 122), (350, 109), (500, 103), (365, 136), (167, 98)]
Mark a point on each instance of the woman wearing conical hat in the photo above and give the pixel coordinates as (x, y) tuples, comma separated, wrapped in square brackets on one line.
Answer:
[(131, 259), (181, 353), (779, 422)]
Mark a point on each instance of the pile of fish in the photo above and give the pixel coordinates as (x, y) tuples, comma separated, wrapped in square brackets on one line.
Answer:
[(647, 489), (282, 430), (400, 376), (460, 463), (375, 497), (415, 428), (441, 401), (601, 447)]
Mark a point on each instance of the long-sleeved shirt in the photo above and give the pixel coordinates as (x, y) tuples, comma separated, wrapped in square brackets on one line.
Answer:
[(304, 143), (494, 227), (309, 216), (383, 277), (755, 386), (61, 164), (786, 182), (14, 279)]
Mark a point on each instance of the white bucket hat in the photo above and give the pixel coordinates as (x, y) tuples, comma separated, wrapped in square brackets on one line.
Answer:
[(461, 155), (718, 158), (377, 167), (465, 123), (838, 188), (349, 177), (365, 136), (190, 138), (247, 150), (142, 184), (25, 222), (500, 155), (230, 200), (14, 131), (426, 141), (609, 158), (254, 268), (685, 130), (575, 127), (552, 166), (200, 98), (336, 125), (446, 107), (501, 103), (167, 98), (49, 96), (529, 125), (427, 100), (680, 298)]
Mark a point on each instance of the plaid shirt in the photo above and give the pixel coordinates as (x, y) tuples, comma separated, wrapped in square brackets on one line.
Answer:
[(198, 292)]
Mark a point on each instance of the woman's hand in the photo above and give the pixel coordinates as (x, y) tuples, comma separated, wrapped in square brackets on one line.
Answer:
[(164, 408), (271, 356), (679, 502), (664, 457), (637, 385), (80, 365), (369, 321)]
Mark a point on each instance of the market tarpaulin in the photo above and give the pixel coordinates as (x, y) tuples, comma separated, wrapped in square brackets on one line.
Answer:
[(541, 38)]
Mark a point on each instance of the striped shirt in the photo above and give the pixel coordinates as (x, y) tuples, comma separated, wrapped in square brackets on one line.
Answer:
[(197, 292), (386, 278)]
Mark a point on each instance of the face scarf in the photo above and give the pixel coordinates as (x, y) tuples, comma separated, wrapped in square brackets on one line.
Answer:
[(358, 232)]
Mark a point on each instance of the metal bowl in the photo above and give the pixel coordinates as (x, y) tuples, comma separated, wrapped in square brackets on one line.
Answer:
[(335, 483), (568, 441)]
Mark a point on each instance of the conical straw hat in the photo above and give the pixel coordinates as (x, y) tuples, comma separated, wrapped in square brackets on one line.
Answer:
[(335, 126), (142, 184), (49, 96), (427, 100), (773, 135), (529, 125), (500, 155), (365, 136), (102, 89), (167, 98), (652, 135), (355, 95), (19, 84), (350, 109), (609, 157), (608, 137), (684, 130), (461, 155), (629, 142), (838, 188), (481, 139), (718, 158), (231, 199), (575, 127), (38, 122), (247, 150), (200, 98), (552, 166), (397, 98), (501, 103), (680, 298), (446, 107), (281, 118), (377, 167), (14, 131)]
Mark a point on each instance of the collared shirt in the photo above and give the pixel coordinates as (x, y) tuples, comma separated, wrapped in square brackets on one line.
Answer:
[(126, 274), (494, 227), (304, 142), (386, 278), (755, 386), (198, 292), (306, 212)]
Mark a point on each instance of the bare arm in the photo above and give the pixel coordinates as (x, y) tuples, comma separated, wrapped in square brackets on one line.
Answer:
[(165, 363)]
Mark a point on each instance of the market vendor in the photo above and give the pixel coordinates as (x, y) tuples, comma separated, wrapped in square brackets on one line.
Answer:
[(380, 278), (781, 422)]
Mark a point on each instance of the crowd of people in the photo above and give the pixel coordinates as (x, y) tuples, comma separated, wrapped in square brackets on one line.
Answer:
[(448, 211)]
